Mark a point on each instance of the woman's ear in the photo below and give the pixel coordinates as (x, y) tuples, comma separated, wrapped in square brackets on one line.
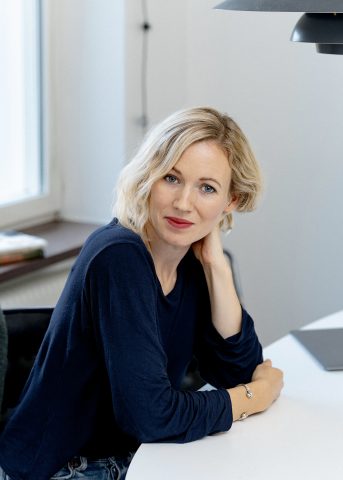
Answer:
[(231, 205)]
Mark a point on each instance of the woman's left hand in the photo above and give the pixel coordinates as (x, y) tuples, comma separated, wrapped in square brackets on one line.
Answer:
[(209, 250)]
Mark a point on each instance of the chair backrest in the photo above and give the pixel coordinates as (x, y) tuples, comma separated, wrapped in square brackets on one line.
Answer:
[(26, 328), (3, 354), (235, 274)]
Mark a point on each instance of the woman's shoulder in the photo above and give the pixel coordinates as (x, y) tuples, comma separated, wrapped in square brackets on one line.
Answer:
[(114, 243), (112, 234)]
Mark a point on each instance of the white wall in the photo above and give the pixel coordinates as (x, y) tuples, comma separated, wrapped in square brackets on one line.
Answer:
[(88, 97), (166, 63)]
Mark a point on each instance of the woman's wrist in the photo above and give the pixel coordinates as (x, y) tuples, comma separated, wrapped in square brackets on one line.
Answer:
[(219, 263), (247, 399)]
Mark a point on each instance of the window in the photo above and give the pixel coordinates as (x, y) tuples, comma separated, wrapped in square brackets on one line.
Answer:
[(25, 189)]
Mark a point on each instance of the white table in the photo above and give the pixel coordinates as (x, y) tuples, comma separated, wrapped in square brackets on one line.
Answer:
[(300, 437)]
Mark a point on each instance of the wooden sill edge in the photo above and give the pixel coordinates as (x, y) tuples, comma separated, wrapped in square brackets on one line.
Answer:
[(65, 240)]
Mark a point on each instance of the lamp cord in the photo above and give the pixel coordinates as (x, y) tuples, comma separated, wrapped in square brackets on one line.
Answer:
[(144, 66)]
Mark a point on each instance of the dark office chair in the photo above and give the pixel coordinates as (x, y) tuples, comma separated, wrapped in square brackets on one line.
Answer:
[(24, 331), (3, 354)]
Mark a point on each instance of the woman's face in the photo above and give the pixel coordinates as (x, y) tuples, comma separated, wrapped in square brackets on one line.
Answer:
[(189, 202)]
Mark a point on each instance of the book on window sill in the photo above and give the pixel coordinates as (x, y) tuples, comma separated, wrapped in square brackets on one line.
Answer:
[(17, 246), (20, 257)]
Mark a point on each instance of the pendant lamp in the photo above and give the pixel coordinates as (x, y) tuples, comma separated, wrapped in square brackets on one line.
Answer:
[(322, 22)]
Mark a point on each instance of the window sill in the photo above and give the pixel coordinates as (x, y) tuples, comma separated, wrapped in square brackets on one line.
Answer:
[(65, 240)]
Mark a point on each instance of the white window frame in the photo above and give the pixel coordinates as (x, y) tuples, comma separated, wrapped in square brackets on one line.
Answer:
[(46, 205)]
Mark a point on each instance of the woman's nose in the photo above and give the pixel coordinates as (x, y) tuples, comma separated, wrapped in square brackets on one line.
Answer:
[(184, 199)]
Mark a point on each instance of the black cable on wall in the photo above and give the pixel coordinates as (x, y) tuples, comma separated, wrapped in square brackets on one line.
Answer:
[(146, 27)]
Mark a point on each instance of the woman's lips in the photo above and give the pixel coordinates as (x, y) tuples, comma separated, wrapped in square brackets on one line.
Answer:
[(178, 222)]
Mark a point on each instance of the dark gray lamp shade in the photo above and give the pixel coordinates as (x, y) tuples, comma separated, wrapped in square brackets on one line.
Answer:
[(322, 23), (308, 6), (323, 29)]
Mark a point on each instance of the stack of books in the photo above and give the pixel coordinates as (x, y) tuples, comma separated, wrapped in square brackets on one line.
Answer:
[(17, 246)]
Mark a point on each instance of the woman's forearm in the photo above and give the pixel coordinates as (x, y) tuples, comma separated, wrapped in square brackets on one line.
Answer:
[(225, 306)]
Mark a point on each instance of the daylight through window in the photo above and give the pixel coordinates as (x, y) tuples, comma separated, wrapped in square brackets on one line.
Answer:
[(20, 101)]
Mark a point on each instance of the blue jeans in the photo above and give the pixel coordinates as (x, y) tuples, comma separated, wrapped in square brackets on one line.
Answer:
[(81, 468)]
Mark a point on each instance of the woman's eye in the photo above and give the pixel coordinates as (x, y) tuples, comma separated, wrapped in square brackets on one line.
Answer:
[(170, 178), (207, 188)]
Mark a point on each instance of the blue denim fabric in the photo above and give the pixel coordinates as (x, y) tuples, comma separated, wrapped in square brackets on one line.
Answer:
[(112, 468), (3, 475)]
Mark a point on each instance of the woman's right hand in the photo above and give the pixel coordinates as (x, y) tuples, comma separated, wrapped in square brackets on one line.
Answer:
[(269, 382), (266, 385)]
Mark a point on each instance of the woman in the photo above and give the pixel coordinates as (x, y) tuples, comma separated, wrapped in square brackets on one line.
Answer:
[(147, 292)]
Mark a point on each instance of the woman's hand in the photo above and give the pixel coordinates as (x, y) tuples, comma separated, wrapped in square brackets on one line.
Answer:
[(209, 250), (266, 386), (271, 381)]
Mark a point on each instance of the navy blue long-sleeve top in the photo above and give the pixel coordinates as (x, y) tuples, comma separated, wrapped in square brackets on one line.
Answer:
[(108, 373)]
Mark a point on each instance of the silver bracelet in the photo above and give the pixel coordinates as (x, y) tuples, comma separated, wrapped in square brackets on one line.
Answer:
[(243, 416), (248, 392)]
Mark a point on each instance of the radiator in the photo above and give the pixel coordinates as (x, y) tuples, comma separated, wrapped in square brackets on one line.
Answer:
[(38, 289)]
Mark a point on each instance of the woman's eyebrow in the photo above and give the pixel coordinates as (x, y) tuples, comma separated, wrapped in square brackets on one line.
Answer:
[(176, 171), (210, 179), (202, 179)]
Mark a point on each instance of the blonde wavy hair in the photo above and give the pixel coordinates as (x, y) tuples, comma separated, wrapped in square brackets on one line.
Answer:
[(161, 150)]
